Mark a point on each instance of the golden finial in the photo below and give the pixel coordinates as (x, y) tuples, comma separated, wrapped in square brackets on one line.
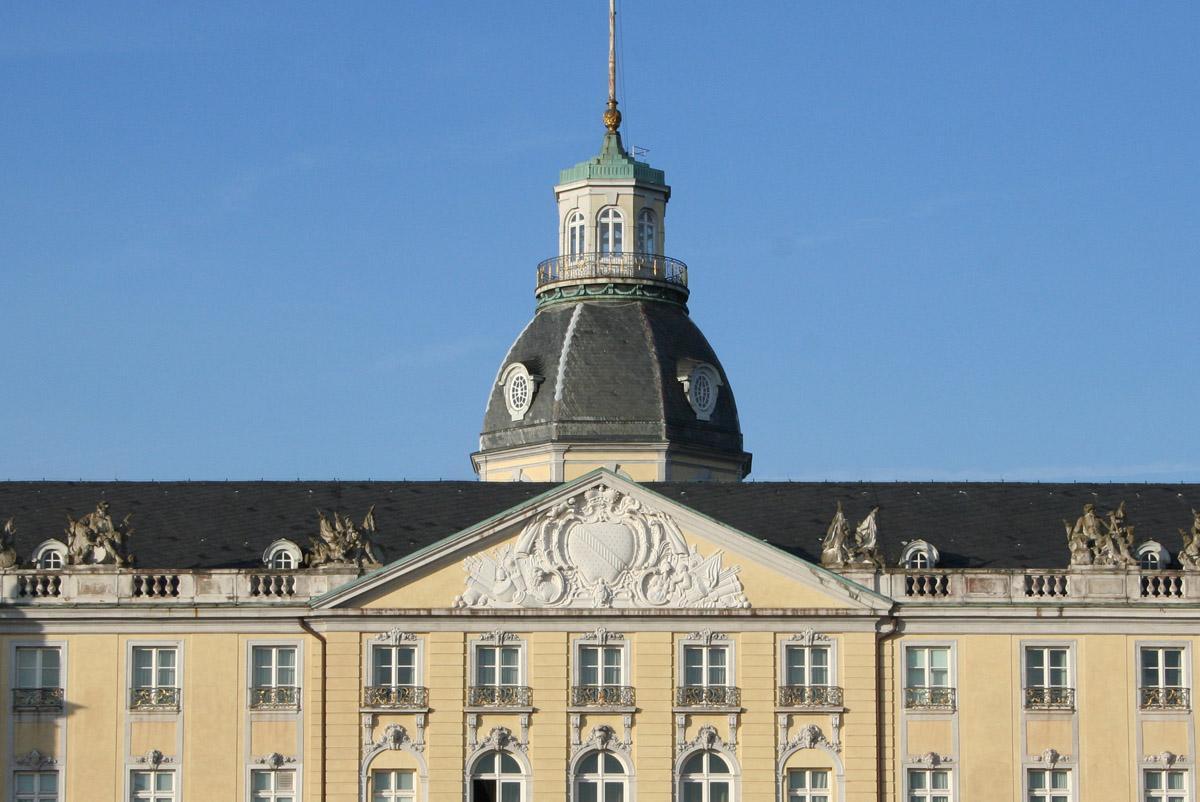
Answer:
[(612, 117)]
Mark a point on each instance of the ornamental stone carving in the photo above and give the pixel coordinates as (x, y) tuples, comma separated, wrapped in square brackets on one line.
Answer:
[(95, 539), (840, 549), (340, 542), (396, 737), (1189, 557), (707, 737), (600, 549), (33, 759), (502, 738), (603, 636), (807, 637), (1107, 542), (274, 760), (394, 637), (8, 544), (603, 738), (809, 737)]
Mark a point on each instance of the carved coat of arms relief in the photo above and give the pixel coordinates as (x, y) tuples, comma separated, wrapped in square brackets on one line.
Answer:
[(600, 549)]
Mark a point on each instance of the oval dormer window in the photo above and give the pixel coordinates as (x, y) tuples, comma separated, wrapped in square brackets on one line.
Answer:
[(702, 384), (519, 387)]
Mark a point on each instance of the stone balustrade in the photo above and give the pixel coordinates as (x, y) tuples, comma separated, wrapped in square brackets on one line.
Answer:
[(1055, 586)]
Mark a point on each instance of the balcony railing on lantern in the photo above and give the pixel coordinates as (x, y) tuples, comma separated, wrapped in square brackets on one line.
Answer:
[(810, 696), (39, 699), (154, 699), (396, 696), (602, 696), (1043, 698), (275, 697), (929, 698), (708, 696), (620, 265), (499, 696), (1164, 698)]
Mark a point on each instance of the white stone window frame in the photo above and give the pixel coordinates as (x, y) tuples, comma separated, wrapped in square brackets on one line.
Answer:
[(610, 222), (505, 639), (920, 547), (786, 794), (646, 216), (1146, 765), (717, 641), (386, 639), (621, 754), (395, 794), (718, 748), (285, 546), (274, 714), (296, 770), (132, 644), (1186, 661), (1072, 780), (817, 641), (1069, 646), (1158, 550), (483, 750), (13, 716), (46, 547), (952, 680), (951, 792), (37, 771), (532, 380), (577, 646), (154, 771), (574, 220), (703, 411)]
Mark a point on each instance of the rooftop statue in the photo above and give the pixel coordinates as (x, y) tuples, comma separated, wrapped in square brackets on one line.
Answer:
[(1077, 542), (1118, 540), (1093, 541), (866, 542), (8, 545), (341, 542), (95, 539), (1190, 556), (835, 551)]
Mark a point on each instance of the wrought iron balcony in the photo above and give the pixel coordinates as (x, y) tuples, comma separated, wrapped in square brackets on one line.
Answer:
[(499, 696), (395, 696), (154, 699), (929, 698), (1040, 698), (810, 696), (613, 266), (602, 696), (1164, 698), (40, 699), (708, 696), (277, 697)]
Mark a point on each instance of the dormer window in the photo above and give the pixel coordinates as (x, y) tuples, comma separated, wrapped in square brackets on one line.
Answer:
[(282, 555), (1152, 556), (50, 556), (611, 227), (919, 556), (647, 230), (575, 233)]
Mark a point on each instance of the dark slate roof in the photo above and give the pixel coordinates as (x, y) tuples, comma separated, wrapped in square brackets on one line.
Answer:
[(619, 380), (229, 524)]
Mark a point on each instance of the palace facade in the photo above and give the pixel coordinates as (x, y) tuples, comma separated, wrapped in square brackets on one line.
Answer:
[(611, 615)]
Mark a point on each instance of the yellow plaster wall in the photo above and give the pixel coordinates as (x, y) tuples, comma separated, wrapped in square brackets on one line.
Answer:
[(95, 686), (986, 729), (1044, 732), (214, 704), (1165, 735), (446, 664), (653, 728), (147, 735), (1106, 737)]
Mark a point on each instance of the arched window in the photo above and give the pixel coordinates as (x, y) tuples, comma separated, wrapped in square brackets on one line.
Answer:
[(919, 555), (1152, 556), (497, 777), (918, 560), (575, 234), (51, 560), (600, 777), (1149, 561), (51, 555), (647, 232), (282, 560), (611, 226), (283, 555), (706, 778)]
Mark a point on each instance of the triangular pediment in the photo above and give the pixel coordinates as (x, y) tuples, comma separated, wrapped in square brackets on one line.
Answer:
[(602, 542)]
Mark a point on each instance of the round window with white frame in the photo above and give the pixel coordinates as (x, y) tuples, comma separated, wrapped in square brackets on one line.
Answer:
[(1152, 556), (919, 555), (702, 384), (283, 555), (497, 777), (600, 777), (519, 387), (706, 777), (50, 555)]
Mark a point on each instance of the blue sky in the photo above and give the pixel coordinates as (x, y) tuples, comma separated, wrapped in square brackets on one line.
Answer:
[(928, 240)]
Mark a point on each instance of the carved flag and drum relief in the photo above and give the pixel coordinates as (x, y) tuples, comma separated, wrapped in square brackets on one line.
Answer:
[(602, 549)]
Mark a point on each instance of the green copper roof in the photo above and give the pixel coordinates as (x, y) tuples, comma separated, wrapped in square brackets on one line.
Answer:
[(613, 162)]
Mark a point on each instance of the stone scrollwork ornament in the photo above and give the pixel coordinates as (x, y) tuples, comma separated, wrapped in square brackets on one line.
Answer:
[(95, 539), (341, 542), (8, 545), (1189, 556), (600, 549)]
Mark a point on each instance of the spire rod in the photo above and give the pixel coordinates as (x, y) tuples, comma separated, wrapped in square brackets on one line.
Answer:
[(612, 117)]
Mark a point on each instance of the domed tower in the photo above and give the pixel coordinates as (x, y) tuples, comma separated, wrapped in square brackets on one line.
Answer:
[(611, 372)]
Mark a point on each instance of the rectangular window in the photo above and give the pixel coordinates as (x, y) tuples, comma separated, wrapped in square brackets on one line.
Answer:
[(601, 665), (497, 665), (1165, 785), (1162, 678), (807, 665), (705, 666), (274, 678), (807, 785), (152, 786), (39, 667), (1048, 677), (273, 786), (35, 786), (1049, 785), (392, 786), (929, 785), (927, 679), (395, 665), (154, 667)]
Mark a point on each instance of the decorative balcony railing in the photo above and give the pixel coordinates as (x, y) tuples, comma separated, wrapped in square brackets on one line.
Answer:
[(615, 266), (499, 696), (40, 699), (1043, 698), (1164, 698), (395, 696), (708, 696), (929, 698), (809, 696), (154, 699), (277, 697), (602, 696)]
